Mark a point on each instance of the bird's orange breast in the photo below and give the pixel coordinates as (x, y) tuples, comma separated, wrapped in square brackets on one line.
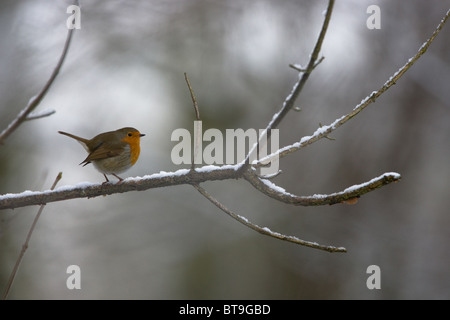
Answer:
[(135, 148)]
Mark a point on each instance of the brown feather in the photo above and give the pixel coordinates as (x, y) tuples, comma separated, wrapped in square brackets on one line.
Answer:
[(102, 152)]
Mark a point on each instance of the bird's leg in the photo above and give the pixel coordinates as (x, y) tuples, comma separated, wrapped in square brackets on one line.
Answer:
[(107, 180), (120, 179)]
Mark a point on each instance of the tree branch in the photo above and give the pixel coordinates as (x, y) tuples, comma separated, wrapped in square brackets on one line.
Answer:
[(34, 101), (27, 241), (40, 114), (185, 176), (264, 230), (304, 74), (91, 190), (324, 131), (197, 129), (194, 99), (289, 102), (351, 193)]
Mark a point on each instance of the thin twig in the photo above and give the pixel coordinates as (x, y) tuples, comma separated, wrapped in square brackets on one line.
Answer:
[(197, 128), (292, 97), (40, 114), (194, 99), (324, 131), (34, 101), (264, 230), (299, 68), (290, 100), (27, 241)]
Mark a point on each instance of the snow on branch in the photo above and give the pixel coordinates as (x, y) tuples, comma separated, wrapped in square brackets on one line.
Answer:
[(91, 190), (349, 195)]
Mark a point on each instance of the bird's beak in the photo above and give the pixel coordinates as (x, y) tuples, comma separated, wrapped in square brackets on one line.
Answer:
[(141, 135)]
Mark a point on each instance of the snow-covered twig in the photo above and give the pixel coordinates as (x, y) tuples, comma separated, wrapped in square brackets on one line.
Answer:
[(346, 196)]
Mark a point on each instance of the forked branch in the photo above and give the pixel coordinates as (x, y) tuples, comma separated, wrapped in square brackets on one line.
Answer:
[(304, 74), (324, 131), (26, 113)]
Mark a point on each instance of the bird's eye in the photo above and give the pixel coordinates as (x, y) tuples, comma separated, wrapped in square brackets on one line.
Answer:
[(130, 134)]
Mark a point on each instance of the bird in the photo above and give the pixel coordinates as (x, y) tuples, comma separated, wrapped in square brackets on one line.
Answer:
[(111, 152)]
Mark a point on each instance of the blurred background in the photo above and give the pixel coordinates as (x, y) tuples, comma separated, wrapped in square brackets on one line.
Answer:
[(125, 68)]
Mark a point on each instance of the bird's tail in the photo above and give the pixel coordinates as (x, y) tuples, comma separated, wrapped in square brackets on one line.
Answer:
[(79, 139)]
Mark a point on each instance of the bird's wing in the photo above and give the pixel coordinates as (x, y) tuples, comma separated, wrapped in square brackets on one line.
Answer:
[(101, 152)]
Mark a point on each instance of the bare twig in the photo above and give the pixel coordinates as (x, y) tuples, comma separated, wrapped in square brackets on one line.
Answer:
[(304, 75), (197, 128), (194, 100), (34, 101), (299, 68), (290, 100), (27, 241), (40, 114), (324, 131), (264, 230)]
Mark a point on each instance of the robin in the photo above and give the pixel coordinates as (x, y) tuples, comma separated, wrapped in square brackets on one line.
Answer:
[(111, 152)]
